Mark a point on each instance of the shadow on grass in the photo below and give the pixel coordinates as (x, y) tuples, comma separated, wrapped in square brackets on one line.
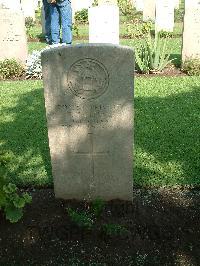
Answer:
[(24, 135), (167, 139)]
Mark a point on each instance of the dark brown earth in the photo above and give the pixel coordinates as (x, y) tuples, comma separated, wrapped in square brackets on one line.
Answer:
[(162, 229)]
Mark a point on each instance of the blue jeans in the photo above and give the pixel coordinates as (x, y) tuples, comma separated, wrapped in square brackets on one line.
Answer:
[(61, 16), (47, 15)]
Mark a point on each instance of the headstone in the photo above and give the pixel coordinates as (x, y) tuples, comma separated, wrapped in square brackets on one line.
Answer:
[(104, 24), (28, 8), (13, 43), (164, 15), (107, 2), (149, 10), (11, 4), (88, 99), (191, 33), (176, 4), (138, 4)]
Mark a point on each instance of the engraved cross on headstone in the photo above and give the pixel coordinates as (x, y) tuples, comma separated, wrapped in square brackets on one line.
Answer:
[(92, 154)]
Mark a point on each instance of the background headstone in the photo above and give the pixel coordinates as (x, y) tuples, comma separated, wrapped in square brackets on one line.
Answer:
[(28, 7), (88, 99), (11, 4), (164, 15), (104, 24), (138, 4), (191, 32), (149, 10), (13, 42), (176, 4)]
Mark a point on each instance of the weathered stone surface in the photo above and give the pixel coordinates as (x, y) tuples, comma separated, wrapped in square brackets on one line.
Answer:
[(104, 24), (164, 15), (28, 7), (149, 10), (89, 103), (13, 42), (191, 33)]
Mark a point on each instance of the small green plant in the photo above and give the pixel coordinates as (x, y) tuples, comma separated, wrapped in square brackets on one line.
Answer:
[(81, 16), (11, 201), (29, 22), (114, 229), (191, 67), (75, 29), (153, 55), (82, 219), (10, 69), (95, 3), (126, 8), (138, 29), (97, 207)]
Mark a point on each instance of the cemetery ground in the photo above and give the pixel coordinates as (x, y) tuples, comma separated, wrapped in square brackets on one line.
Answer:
[(162, 225)]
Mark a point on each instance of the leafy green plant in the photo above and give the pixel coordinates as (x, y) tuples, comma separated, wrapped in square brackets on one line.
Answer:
[(97, 207), (153, 55), (138, 29), (95, 3), (114, 229), (81, 16), (10, 68), (29, 22), (82, 219), (75, 29), (11, 201), (191, 67), (126, 8)]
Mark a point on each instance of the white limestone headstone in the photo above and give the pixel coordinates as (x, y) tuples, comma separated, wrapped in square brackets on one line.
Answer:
[(11, 4), (89, 106), (149, 10), (28, 8), (176, 4), (138, 4), (164, 15), (104, 24), (191, 33), (13, 42)]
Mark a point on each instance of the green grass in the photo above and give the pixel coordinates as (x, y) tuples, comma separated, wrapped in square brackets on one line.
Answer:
[(167, 130)]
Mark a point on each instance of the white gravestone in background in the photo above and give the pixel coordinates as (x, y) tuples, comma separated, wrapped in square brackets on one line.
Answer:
[(104, 24), (138, 4), (176, 4), (164, 15), (149, 10), (191, 33), (28, 7), (11, 4), (13, 42)]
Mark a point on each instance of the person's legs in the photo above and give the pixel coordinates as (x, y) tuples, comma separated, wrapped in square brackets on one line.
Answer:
[(55, 25), (47, 16), (66, 22)]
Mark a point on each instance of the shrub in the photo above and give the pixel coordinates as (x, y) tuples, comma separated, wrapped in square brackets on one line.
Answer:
[(138, 29), (81, 16), (33, 65), (191, 67), (126, 7), (152, 56), (11, 201), (10, 68), (29, 22)]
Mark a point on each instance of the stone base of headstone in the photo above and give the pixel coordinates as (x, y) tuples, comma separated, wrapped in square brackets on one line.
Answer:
[(89, 107), (104, 24), (13, 42)]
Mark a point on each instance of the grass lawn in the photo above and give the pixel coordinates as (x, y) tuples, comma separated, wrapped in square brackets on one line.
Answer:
[(167, 130)]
